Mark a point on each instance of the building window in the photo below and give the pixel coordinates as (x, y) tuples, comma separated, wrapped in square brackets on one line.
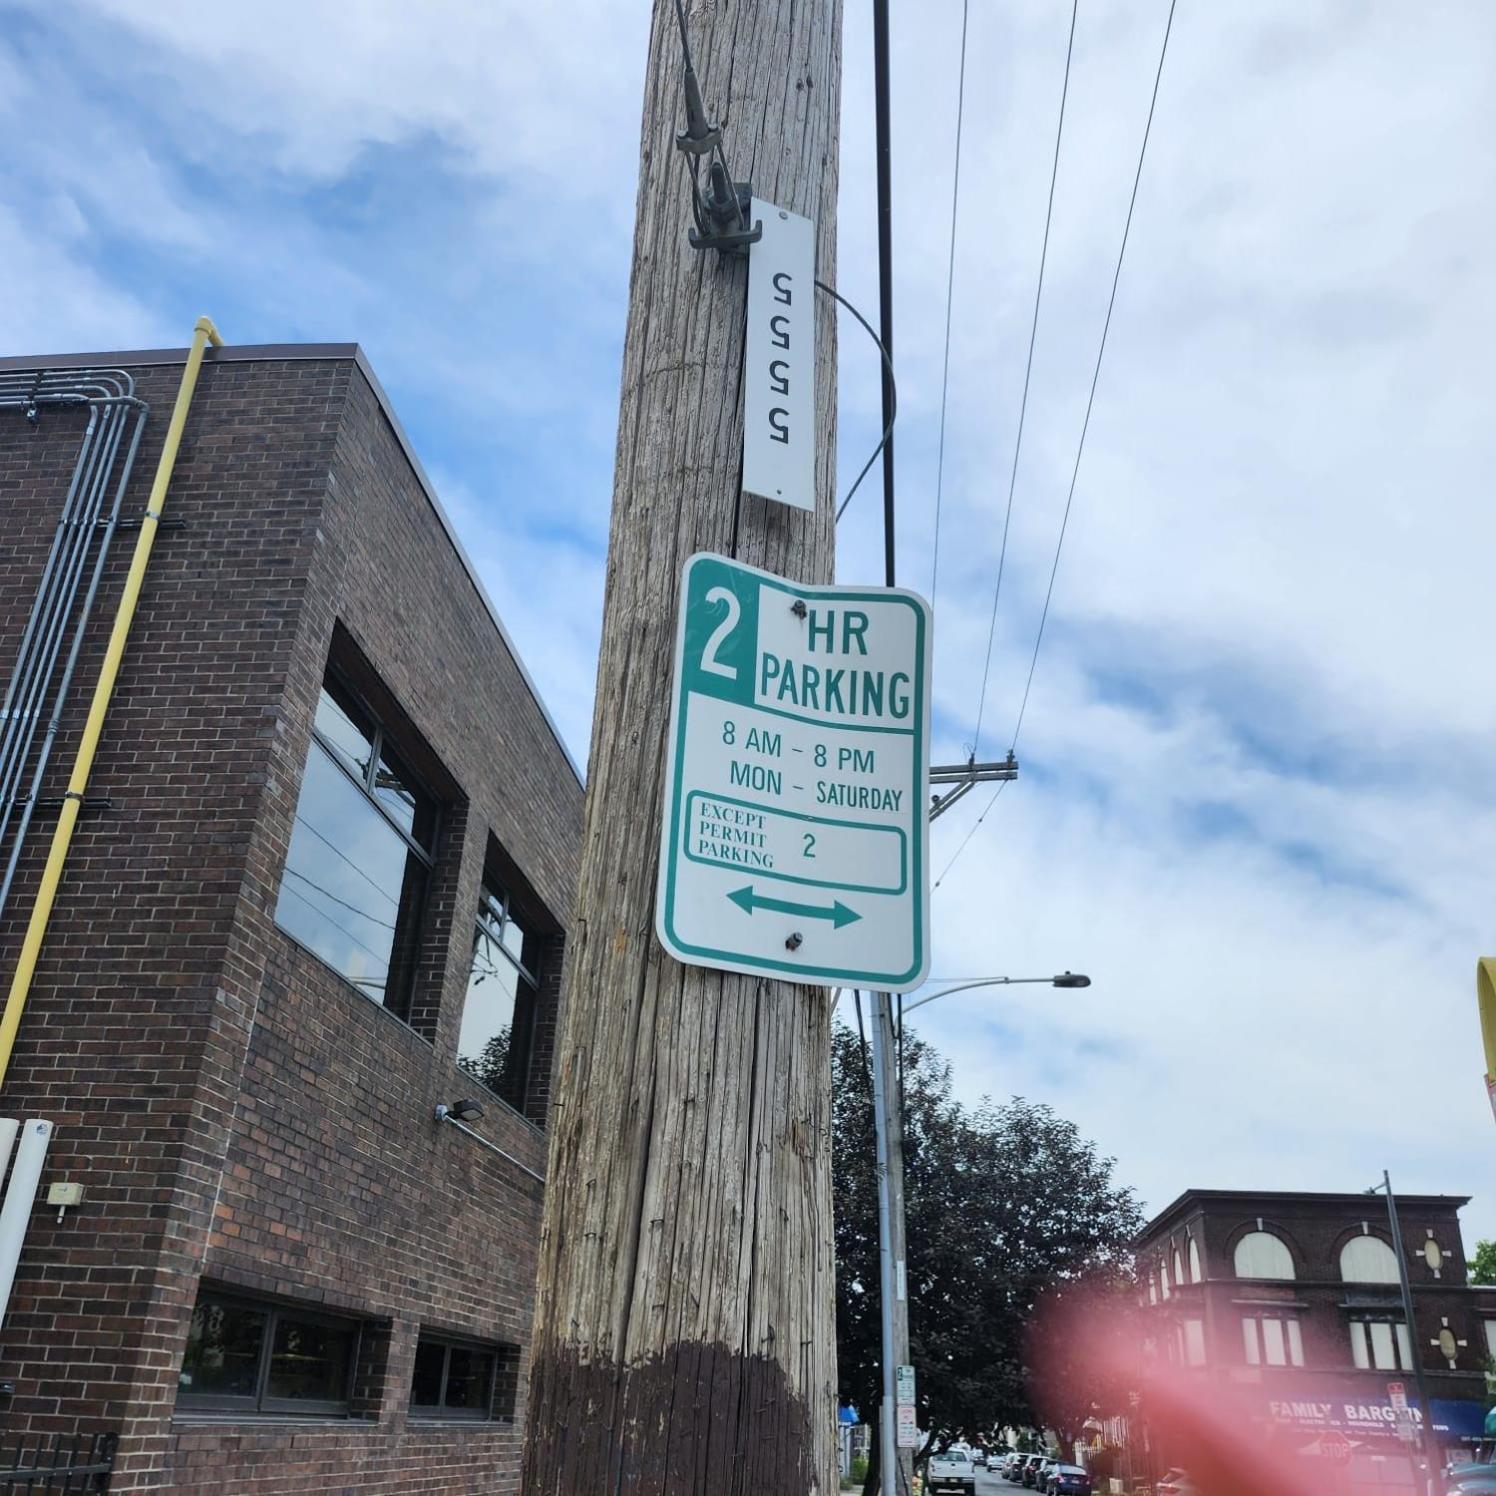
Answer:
[(1368, 1259), (1195, 1274), (454, 1379), (1491, 1340), (1272, 1340), (1194, 1342), (1260, 1254), (1163, 1281), (1179, 1268), (250, 1357), (354, 887), (1381, 1344), (499, 1013)]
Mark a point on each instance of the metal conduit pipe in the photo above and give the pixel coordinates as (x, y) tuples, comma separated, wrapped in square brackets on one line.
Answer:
[(59, 700), (59, 537), (73, 538), (69, 545), (62, 836), (14, 708), (111, 407), (43, 391), (79, 527)]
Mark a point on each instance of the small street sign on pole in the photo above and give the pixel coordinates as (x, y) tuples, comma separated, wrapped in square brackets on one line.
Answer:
[(1397, 1395), (908, 1427), (795, 834), (779, 365), (905, 1422)]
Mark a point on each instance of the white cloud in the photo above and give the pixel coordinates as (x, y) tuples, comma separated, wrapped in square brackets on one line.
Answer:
[(1255, 802)]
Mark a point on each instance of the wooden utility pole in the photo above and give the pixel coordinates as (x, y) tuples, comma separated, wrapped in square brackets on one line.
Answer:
[(685, 1332)]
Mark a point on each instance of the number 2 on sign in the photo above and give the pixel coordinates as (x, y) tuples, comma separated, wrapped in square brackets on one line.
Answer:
[(710, 664), (810, 844)]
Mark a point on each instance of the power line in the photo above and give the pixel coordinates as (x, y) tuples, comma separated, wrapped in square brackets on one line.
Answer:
[(884, 154), (950, 286), (327, 893), (1028, 370), (1002, 785), (343, 857), (1080, 446), (1085, 426)]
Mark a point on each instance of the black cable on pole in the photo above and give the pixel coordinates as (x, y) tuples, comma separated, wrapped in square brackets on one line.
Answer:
[(1080, 446), (867, 1066), (1028, 370), (867, 327), (950, 286), (885, 269)]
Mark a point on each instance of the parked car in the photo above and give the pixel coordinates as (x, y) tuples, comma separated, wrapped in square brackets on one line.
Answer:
[(1176, 1482), (1031, 1466), (1013, 1466), (1470, 1480), (1067, 1480), (951, 1471)]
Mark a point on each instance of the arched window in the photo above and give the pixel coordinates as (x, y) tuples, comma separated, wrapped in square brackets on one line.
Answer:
[(1260, 1254), (1163, 1280), (1179, 1268), (1368, 1259), (1195, 1274)]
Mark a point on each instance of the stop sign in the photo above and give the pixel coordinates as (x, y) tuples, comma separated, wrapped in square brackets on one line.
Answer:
[(1335, 1447)]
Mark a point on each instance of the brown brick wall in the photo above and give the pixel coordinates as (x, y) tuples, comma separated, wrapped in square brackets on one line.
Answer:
[(232, 1106), (1315, 1228)]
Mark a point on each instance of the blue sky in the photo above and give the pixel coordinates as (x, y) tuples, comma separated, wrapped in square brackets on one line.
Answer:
[(1257, 797)]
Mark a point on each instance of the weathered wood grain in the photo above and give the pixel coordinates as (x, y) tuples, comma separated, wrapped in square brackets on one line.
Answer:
[(684, 1340)]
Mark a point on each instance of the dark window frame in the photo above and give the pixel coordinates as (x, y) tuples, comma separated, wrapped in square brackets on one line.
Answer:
[(380, 742), (439, 1412), (384, 748), (259, 1401), (496, 913)]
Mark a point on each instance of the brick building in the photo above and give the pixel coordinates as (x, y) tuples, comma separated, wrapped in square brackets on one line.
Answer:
[(321, 887), (1293, 1302)]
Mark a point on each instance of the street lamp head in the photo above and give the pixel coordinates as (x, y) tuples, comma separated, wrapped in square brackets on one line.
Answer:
[(1071, 979)]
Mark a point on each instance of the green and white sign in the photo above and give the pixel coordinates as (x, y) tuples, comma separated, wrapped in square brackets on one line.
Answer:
[(795, 838)]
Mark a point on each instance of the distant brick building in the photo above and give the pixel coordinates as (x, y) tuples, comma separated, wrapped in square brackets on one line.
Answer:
[(325, 888), (1294, 1301)]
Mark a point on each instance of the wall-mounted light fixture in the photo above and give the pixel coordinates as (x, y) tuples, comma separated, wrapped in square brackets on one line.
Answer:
[(459, 1113), (465, 1110)]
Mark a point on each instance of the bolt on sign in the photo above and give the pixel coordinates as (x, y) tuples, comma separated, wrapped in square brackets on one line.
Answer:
[(795, 838), (779, 363)]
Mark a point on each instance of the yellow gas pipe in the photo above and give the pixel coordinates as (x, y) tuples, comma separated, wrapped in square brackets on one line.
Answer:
[(36, 931)]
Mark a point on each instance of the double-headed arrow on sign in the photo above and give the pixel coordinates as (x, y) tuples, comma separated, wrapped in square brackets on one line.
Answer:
[(838, 913)]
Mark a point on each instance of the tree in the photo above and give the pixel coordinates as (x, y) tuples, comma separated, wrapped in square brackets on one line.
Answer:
[(1083, 1350), (1004, 1203), (1483, 1265)]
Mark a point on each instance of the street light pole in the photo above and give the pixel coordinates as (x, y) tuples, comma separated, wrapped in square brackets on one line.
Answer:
[(892, 1276), (893, 1288), (1426, 1426)]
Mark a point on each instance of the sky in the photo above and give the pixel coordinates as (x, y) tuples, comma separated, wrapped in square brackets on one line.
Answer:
[(1257, 793)]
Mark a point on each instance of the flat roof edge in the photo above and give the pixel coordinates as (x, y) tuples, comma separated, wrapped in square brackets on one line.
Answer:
[(264, 352), (1200, 1198), (429, 489)]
